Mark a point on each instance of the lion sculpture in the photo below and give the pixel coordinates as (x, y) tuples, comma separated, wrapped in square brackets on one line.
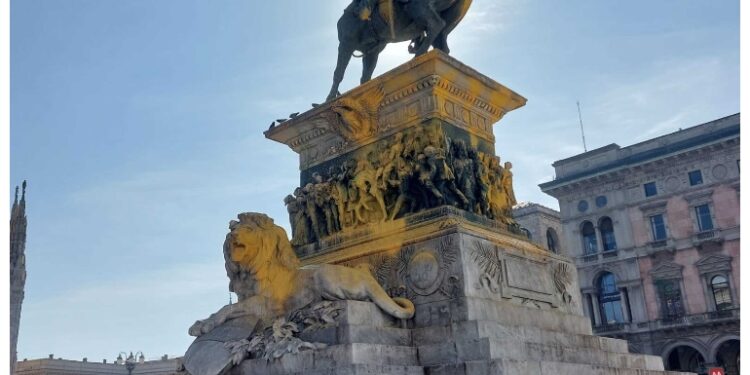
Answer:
[(265, 274)]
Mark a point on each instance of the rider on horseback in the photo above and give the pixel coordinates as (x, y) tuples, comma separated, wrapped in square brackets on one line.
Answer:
[(365, 8), (421, 12), (425, 22)]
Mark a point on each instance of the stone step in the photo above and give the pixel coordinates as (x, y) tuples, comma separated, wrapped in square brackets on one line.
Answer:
[(515, 367), (333, 357), (366, 370), (515, 315), (490, 349), (491, 329), (366, 334)]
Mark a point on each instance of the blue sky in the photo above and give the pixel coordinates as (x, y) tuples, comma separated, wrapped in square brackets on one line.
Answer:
[(139, 127)]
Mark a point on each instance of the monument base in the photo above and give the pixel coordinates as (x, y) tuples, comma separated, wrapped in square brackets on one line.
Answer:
[(399, 178), (366, 341), (487, 302)]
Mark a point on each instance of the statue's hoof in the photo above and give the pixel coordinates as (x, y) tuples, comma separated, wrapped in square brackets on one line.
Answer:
[(333, 96)]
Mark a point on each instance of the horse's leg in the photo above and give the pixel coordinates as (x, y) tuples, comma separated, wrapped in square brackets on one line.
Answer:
[(424, 15), (441, 42), (345, 54), (452, 17), (369, 61)]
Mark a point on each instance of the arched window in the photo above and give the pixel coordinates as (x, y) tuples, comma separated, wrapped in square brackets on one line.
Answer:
[(722, 295), (551, 240), (589, 238), (607, 231), (610, 305)]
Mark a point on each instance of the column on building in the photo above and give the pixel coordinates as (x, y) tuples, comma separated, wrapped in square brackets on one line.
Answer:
[(595, 306), (625, 304)]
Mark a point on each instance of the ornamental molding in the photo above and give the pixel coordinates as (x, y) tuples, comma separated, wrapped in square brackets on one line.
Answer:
[(666, 271), (699, 197), (654, 207), (309, 136), (714, 263)]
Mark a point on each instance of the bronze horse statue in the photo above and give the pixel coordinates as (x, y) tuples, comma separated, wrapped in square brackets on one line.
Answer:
[(368, 26)]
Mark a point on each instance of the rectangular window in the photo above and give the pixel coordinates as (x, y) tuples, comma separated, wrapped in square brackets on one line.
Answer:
[(695, 177), (658, 229), (671, 298), (650, 189), (703, 215)]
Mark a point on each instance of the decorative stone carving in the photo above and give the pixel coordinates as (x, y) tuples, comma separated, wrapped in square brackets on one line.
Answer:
[(409, 172), (666, 271), (275, 342), (672, 183), (490, 265), (426, 88), (422, 272), (355, 118), (412, 273), (719, 171), (653, 208), (562, 278), (714, 263), (700, 197)]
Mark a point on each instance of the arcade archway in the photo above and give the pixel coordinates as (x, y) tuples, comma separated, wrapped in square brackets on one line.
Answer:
[(685, 358), (728, 357)]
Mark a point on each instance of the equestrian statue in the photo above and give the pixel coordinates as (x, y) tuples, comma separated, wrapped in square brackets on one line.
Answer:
[(368, 26)]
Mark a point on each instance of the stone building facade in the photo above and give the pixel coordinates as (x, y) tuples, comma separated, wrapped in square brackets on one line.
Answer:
[(17, 269), (58, 366), (541, 224), (655, 231)]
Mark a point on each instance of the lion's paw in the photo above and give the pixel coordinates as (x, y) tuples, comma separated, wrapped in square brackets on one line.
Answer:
[(196, 329)]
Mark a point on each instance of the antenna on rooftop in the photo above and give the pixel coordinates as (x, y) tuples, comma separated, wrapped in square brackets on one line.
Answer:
[(580, 120)]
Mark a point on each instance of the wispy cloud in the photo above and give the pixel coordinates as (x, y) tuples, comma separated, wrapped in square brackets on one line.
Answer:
[(660, 101)]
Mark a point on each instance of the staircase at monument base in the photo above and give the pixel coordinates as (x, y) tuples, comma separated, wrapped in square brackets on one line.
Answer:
[(366, 341)]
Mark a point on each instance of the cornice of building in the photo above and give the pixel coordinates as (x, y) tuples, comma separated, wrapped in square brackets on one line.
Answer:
[(528, 208), (694, 138)]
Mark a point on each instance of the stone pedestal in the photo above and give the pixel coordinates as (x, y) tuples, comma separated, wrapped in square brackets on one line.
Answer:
[(487, 300)]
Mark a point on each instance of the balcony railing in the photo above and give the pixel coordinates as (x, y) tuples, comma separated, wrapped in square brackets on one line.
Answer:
[(658, 244), (614, 327), (590, 258), (609, 254), (708, 234), (697, 318), (671, 322)]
